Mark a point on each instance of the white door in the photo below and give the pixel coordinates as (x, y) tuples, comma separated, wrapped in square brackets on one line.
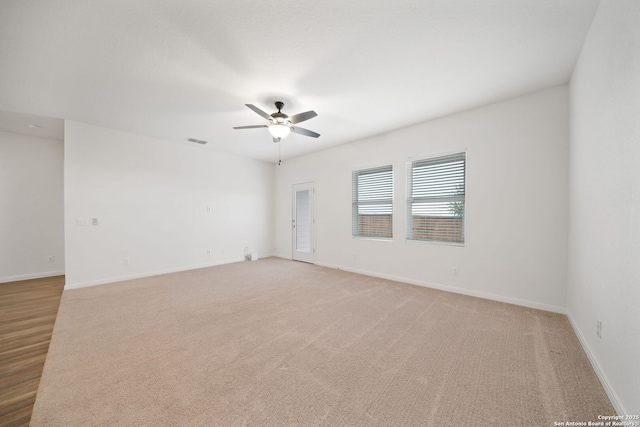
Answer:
[(302, 223)]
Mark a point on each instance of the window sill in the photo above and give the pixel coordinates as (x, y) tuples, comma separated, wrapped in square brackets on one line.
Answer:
[(380, 239)]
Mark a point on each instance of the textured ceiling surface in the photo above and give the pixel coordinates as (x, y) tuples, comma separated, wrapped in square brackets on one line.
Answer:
[(176, 69)]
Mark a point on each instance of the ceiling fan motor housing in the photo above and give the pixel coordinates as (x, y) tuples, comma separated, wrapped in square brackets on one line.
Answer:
[(280, 118)]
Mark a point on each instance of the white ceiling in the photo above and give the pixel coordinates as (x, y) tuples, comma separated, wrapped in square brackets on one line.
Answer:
[(176, 69)]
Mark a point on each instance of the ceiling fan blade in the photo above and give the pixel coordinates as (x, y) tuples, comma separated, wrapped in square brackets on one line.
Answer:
[(259, 111), (305, 132), (250, 127), (302, 117)]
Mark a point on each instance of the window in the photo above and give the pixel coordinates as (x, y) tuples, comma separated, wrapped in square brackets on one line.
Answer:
[(372, 211), (435, 203)]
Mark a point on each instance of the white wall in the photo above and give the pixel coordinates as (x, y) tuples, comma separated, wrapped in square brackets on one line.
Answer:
[(604, 231), (516, 230), (31, 211), (151, 199)]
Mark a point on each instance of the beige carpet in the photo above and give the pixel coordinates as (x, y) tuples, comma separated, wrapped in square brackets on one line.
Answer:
[(281, 343)]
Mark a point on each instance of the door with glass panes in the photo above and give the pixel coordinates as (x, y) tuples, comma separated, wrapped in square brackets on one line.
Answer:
[(303, 222)]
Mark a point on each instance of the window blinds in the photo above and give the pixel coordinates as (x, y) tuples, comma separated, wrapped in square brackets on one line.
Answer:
[(436, 197), (372, 210)]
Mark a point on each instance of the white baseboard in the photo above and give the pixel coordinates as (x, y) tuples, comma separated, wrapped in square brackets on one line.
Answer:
[(41, 275), (485, 295), (613, 397), (146, 274)]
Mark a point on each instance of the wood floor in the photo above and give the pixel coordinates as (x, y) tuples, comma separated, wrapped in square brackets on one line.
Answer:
[(28, 311)]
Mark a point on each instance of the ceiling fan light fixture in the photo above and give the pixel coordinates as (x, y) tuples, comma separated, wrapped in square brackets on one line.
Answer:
[(279, 131)]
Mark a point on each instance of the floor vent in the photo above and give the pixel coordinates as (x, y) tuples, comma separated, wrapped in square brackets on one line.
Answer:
[(197, 141)]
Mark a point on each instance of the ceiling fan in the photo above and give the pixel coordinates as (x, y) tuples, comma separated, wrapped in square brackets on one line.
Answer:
[(280, 125)]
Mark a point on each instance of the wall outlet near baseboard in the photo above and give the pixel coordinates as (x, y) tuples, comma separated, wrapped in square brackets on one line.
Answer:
[(51, 259), (599, 328), (455, 271), (82, 221), (125, 262)]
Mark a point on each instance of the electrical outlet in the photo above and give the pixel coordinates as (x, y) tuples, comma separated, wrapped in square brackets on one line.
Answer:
[(125, 262), (208, 251), (82, 221), (51, 259), (599, 328), (456, 271)]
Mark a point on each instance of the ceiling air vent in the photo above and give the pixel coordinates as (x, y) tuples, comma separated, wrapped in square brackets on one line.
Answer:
[(197, 141)]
